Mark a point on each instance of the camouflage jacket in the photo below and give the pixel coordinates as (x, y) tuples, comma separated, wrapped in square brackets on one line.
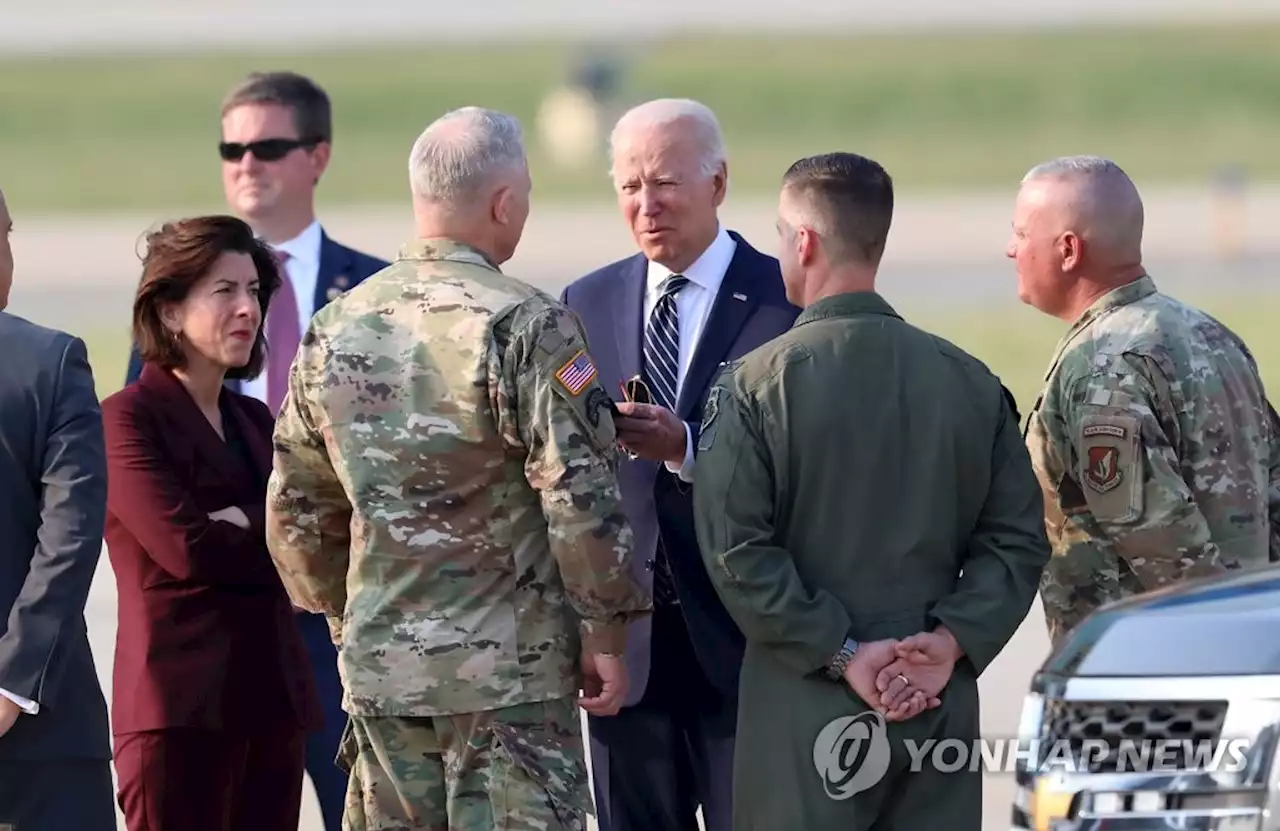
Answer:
[(444, 490), (1157, 451)]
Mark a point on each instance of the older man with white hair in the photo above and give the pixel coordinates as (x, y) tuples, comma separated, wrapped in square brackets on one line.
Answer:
[(661, 323), (1154, 442), (444, 492)]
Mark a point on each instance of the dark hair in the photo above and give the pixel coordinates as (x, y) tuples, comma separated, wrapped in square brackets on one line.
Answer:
[(308, 102), (178, 256), (854, 195)]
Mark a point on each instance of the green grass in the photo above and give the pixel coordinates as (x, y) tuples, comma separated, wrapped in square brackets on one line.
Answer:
[(97, 134), (1014, 341)]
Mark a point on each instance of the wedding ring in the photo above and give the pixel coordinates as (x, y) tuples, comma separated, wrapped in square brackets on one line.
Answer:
[(906, 681)]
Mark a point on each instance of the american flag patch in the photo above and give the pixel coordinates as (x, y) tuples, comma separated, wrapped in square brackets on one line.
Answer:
[(575, 375)]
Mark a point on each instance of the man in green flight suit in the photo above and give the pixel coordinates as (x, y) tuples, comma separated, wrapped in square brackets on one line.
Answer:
[(869, 515)]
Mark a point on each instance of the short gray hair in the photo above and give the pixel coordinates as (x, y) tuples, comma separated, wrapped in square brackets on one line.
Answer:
[(663, 112), (1106, 201), (1070, 167), (461, 150)]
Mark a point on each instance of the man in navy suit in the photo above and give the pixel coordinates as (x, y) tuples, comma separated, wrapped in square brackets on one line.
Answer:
[(276, 137), (696, 296)]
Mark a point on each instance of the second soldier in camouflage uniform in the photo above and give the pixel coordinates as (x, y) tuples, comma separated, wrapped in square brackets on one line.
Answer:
[(1153, 439), (444, 493)]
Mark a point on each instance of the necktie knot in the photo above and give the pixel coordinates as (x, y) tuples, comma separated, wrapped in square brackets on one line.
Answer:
[(673, 284)]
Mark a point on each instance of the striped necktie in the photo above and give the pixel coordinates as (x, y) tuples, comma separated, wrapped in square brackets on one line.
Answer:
[(661, 368), (662, 345)]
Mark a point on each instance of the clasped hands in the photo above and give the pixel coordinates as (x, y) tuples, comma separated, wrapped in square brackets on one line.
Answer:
[(902, 678)]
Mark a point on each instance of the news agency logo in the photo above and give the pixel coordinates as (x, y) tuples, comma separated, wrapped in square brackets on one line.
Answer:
[(852, 754)]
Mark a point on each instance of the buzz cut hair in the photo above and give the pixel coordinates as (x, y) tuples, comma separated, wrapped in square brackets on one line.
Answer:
[(849, 199)]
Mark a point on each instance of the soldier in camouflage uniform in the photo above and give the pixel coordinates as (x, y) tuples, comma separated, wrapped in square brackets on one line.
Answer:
[(444, 493), (1153, 439)]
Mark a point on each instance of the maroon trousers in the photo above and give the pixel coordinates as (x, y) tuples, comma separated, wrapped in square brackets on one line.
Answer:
[(187, 779)]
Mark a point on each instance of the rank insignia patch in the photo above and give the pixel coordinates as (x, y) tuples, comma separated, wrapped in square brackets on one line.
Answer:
[(577, 373)]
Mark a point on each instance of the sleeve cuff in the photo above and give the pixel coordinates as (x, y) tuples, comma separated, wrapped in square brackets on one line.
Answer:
[(31, 708), (685, 470)]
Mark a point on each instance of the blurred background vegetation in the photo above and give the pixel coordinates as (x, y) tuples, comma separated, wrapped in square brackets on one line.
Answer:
[(942, 111)]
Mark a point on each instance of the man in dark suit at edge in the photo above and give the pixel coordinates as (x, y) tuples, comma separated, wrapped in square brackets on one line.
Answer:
[(55, 746), (697, 295), (277, 132)]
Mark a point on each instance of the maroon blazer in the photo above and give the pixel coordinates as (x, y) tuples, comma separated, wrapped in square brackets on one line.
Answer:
[(206, 634)]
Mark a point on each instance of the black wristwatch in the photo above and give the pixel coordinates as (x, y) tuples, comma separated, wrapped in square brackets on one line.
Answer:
[(835, 669)]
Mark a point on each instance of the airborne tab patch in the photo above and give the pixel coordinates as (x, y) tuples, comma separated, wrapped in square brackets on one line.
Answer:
[(577, 373)]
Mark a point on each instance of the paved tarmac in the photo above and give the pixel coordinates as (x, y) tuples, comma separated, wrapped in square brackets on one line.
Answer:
[(80, 274)]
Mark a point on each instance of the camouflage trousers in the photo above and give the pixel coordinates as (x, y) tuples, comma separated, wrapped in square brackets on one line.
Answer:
[(520, 768)]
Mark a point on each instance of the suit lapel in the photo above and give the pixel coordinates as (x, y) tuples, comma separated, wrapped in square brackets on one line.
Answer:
[(258, 441), (630, 317), (179, 407), (734, 303), (335, 272)]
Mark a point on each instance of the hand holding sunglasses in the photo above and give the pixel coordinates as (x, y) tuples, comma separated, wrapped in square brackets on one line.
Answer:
[(647, 431)]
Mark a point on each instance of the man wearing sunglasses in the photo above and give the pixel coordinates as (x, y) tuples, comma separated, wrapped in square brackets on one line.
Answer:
[(660, 324), (275, 146)]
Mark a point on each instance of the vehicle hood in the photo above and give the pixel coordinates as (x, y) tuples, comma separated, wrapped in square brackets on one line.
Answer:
[(1218, 626)]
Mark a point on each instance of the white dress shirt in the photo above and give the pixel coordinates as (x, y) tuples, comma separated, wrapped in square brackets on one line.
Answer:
[(303, 272), (693, 307), (29, 707)]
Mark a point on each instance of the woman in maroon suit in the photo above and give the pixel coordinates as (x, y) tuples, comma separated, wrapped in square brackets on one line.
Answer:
[(212, 694)]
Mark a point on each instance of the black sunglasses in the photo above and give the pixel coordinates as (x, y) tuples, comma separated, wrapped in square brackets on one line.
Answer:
[(637, 391), (264, 150)]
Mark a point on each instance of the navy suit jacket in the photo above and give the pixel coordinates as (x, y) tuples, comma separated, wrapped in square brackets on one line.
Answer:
[(53, 472), (340, 269), (749, 310)]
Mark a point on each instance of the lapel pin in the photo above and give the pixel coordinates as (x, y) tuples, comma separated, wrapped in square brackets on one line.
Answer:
[(739, 296)]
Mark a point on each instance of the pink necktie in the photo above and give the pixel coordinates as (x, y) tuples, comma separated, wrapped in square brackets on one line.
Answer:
[(283, 336)]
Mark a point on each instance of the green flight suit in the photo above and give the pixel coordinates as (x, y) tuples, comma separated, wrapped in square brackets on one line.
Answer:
[(858, 476)]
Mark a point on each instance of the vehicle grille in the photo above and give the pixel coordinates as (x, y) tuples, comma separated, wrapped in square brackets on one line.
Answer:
[(1120, 736)]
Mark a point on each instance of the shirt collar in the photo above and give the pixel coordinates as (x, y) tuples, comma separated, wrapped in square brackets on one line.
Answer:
[(305, 247), (848, 304), (1130, 292), (707, 271), (445, 249)]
